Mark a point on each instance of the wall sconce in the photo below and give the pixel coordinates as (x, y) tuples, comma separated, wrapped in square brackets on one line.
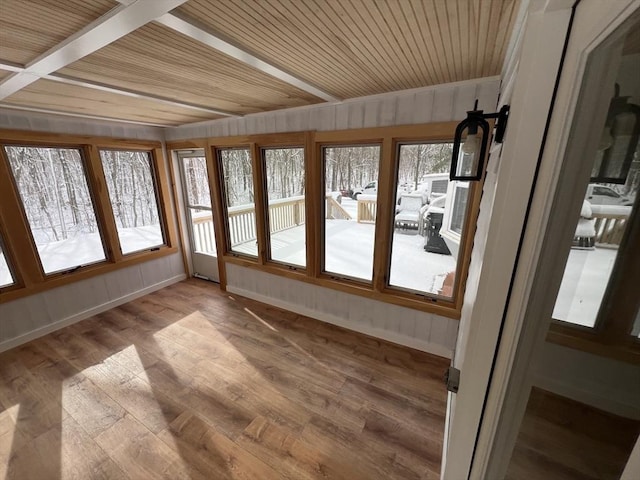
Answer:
[(618, 142), (467, 163)]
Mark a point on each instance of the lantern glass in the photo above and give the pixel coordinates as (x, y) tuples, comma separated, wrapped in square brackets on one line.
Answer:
[(469, 155)]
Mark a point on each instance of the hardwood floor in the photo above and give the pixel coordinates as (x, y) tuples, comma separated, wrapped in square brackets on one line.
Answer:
[(566, 440), (189, 382)]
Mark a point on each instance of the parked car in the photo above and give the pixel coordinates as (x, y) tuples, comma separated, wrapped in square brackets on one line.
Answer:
[(602, 195), (370, 188)]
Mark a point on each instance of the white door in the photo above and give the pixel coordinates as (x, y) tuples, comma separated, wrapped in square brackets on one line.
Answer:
[(495, 344), (198, 214)]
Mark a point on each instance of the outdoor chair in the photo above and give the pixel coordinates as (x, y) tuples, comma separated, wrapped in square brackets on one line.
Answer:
[(411, 211)]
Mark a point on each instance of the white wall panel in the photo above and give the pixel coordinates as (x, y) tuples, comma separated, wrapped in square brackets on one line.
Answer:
[(427, 332), (423, 105), (36, 315), (42, 122)]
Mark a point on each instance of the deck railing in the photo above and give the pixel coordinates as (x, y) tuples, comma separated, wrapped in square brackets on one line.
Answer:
[(283, 214), (334, 210), (609, 229), (367, 209), (203, 234), (286, 213)]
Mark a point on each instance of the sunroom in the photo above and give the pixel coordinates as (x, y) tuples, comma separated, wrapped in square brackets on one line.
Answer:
[(235, 236)]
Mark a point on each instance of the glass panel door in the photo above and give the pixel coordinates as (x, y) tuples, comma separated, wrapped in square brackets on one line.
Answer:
[(197, 201)]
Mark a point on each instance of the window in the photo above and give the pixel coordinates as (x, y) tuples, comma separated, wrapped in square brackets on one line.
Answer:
[(239, 199), (196, 187), (285, 175), (132, 190), (69, 203), (349, 223), (420, 258), (460, 201), (6, 277), (320, 207), (58, 205), (597, 304)]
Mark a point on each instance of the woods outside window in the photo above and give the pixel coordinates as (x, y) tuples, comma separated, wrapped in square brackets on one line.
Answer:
[(132, 189), (69, 219)]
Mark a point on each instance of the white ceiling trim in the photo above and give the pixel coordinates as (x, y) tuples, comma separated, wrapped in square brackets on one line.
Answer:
[(11, 67), (77, 115), (188, 28), (193, 29), (113, 25), (133, 93)]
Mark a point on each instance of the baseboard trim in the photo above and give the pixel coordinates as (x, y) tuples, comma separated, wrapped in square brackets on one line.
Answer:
[(393, 337), (602, 400), (52, 327)]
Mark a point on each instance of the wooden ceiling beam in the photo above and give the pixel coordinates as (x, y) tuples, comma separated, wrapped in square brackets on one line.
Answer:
[(198, 31), (115, 24)]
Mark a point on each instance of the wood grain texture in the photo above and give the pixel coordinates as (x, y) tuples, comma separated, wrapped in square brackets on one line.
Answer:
[(62, 97), (155, 59), (566, 440), (364, 47), (28, 28), (189, 382)]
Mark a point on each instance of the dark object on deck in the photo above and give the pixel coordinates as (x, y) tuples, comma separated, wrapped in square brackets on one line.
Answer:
[(435, 243)]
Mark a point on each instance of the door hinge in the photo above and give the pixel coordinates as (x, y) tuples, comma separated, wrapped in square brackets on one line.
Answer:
[(452, 379)]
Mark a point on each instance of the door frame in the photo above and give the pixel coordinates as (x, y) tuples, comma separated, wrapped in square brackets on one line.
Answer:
[(505, 257), (183, 206), (528, 315), (528, 87)]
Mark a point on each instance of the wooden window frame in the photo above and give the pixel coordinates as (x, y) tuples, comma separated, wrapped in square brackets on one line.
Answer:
[(389, 138), (20, 246), (611, 334)]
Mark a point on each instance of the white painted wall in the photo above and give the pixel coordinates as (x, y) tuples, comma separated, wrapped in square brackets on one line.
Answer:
[(601, 382), (422, 105), (405, 326), (36, 315)]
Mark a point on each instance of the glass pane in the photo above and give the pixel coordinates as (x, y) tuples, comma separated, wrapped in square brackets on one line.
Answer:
[(604, 216), (349, 229), (459, 207), (55, 196), (197, 181), (6, 277), (204, 237), (420, 259), (237, 172), (132, 190), (285, 191)]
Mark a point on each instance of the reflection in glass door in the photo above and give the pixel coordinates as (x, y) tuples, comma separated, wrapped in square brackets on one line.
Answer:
[(197, 201)]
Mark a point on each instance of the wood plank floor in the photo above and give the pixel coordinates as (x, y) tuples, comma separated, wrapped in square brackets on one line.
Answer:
[(567, 440), (189, 382)]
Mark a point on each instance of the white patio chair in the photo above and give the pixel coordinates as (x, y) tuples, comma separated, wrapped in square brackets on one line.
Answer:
[(410, 211)]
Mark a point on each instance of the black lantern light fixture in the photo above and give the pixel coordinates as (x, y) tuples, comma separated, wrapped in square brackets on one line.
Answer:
[(619, 141), (471, 140)]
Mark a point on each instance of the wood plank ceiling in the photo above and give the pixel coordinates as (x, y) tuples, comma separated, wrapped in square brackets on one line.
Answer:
[(207, 59)]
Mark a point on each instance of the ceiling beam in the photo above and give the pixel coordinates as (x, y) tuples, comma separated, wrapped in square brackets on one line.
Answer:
[(111, 26), (56, 77), (77, 115), (201, 33)]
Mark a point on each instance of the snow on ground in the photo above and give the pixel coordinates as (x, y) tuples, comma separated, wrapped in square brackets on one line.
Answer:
[(87, 249), (349, 252), (583, 284)]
